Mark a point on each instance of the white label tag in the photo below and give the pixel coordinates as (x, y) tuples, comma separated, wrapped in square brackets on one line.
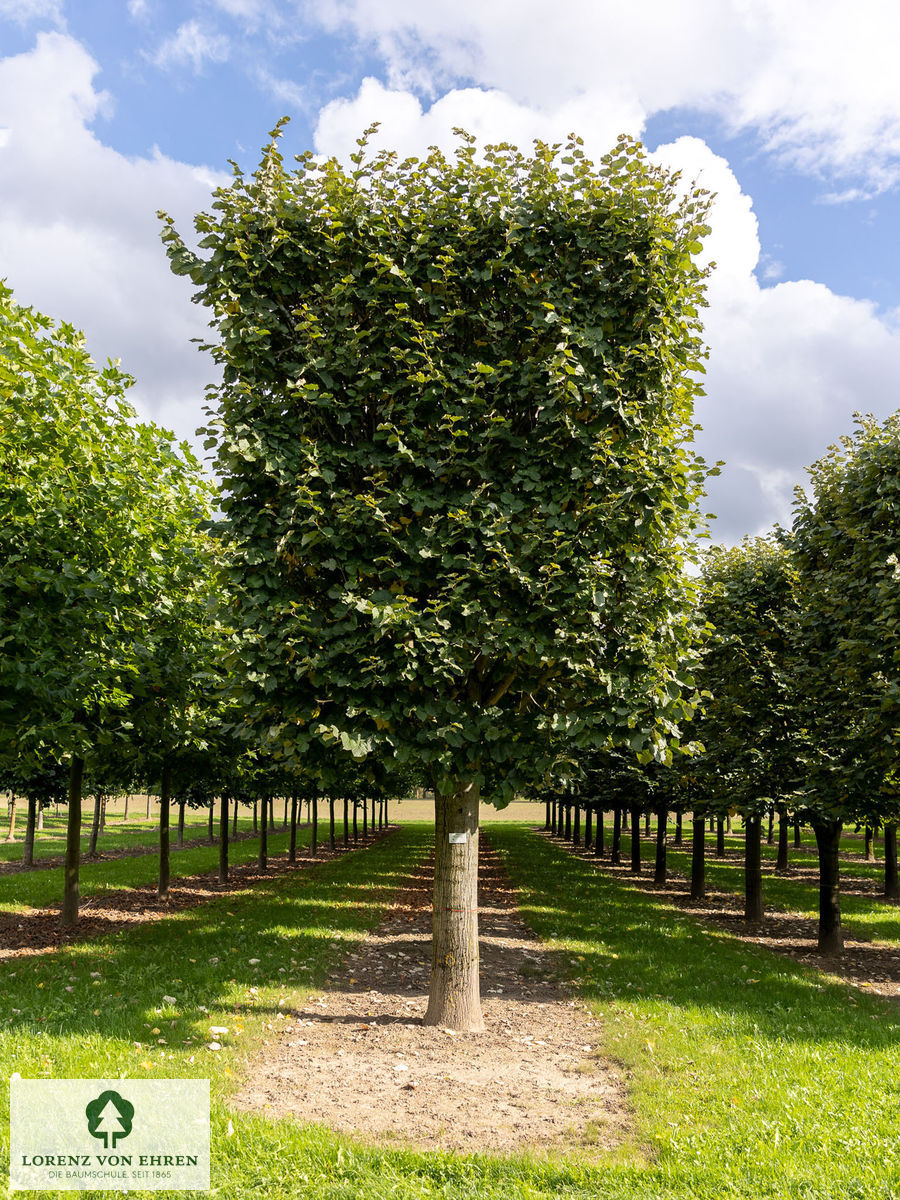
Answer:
[(456, 839), (109, 1134)]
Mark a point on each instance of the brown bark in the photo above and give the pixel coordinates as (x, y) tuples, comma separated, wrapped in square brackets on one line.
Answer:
[(753, 902), (662, 835), (615, 853), (223, 838), (180, 838), (262, 861), (891, 879), (636, 841), (162, 889), (314, 835), (292, 847), (698, 858), (73, 845), (600, 835), (781, 863), (454, 999), (95, 827), (30, 823), (11, 834)]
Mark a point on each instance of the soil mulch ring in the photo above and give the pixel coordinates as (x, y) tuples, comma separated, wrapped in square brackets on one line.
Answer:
[(358, 1058), (38, 930), (874, 966)]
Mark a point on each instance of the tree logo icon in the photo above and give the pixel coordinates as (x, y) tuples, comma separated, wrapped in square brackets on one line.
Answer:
[(109, 1117)]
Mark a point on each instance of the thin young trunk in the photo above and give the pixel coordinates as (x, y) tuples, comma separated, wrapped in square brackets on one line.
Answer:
[(292, 846), (781, 863), (797, 839), (698, 858), (165, 785), (127, 799), (40, 817), (180, 840), (284, 822), (647, 823), (891, 879), (600, 836), (73, 845), (547, 803), (615, 854), (636, 841), (365, 828), (355, 822), (662, 833), (560, 817), (728, 823), (314, 837), (623, 820), (28, 848), (346, 824), (828, 840), (568, 831), (720, 837), (331, 824), (770, 837), (234, 819), (223, 838), (679, 832), (211, 826), (270, 803), (576, 823), (454, 999), (95, 827), (148, 806), (588, 830), (753, 904), (262, 861), (870, 844), (256, 816)]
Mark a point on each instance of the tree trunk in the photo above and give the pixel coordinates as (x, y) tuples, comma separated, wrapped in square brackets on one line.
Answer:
[(355, 822), (720, 837), (662, 833), (95, 827), (40, 817), (560, 817), (256, 816), (647, 823), (623, 820), (284, 821), (828, 840), (870, 844), (73, 845), (798, 842), (180, 839), (162, 889), (753, 904), (365, 828), (679, 831), (770, 836), (454, 1000), (263, 861), (148, 806), (331, 824), (211, 831), (698, 858), (31, 821), (568, 831), (314, 836), (292, 846), (346, 824), (615, 853), (547, 803), (781, 863), (270, 803), (223, 838), (234, 818), (891, 880), (127, 799), (588, 827), (600, 835), (636, 841)]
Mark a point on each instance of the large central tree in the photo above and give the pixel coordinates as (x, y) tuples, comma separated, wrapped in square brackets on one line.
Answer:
[(452, 433)]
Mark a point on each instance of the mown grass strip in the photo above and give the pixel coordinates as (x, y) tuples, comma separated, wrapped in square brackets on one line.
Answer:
[(752, 1076)]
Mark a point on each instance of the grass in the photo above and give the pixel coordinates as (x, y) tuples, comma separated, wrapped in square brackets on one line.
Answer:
[(35, 889), (750, 1076)]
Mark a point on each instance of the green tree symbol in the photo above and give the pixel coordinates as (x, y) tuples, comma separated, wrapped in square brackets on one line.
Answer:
[(109, 1116)]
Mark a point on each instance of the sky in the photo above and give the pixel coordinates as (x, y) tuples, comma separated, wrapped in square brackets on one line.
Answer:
[(789, 112)]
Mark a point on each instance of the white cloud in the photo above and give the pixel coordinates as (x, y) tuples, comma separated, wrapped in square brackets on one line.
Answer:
[(79, 238), (23, 11), (192, 45), (817, 78)]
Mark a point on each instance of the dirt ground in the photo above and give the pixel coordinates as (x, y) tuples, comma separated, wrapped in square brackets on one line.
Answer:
[(358, 1059)]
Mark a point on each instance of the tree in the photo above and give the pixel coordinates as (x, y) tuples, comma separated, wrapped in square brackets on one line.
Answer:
[(452, 431), (845, 547), (100, 535)]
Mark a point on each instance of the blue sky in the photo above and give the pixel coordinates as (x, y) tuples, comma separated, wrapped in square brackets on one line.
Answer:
[(790, 112)]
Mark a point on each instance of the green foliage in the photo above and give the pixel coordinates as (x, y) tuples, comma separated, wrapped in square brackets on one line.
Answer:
[(750, 727), (845, 545), (104, 572), (452, 436)]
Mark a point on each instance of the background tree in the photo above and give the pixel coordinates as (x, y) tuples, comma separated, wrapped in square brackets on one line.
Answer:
[(452, 431)]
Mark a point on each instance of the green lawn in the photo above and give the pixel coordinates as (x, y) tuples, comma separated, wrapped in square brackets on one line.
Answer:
[(750, 1076)]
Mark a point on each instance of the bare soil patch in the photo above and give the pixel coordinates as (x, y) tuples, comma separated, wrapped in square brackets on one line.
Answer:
[(358, 1058)]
